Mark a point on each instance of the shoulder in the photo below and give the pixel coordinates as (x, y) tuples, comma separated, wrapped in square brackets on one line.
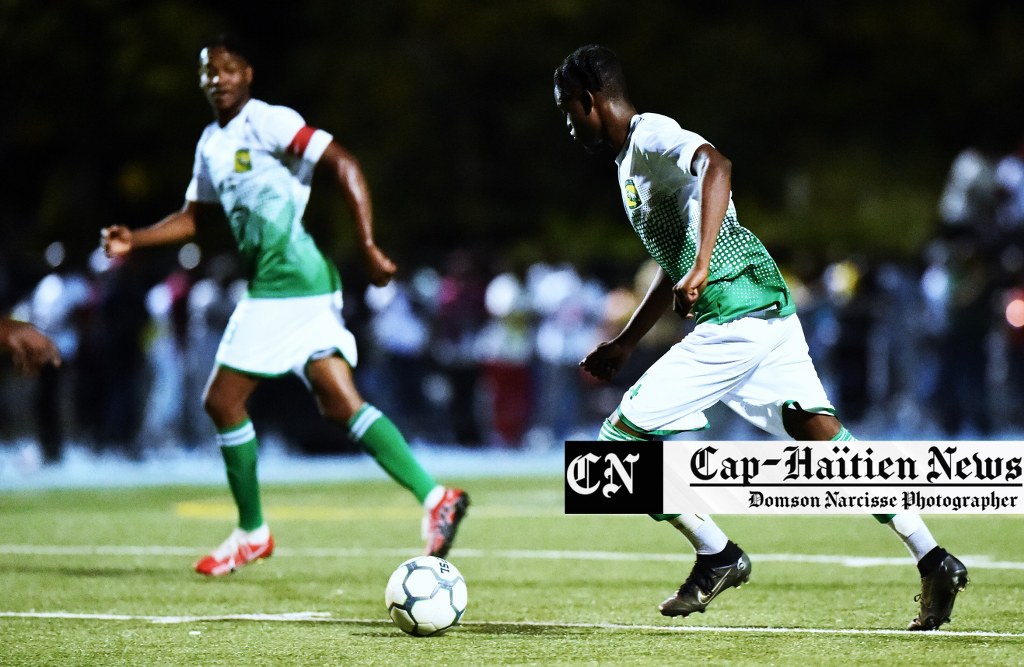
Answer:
[(260, 112), (666, 126), (661, 134)]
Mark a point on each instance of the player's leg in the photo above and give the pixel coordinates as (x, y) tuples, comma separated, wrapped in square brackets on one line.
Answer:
[(224, 400), (339, 400), (806, 414), (720, 564)]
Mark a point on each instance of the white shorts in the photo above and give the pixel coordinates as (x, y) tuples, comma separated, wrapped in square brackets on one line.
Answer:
[(755, 366), (271, 337)]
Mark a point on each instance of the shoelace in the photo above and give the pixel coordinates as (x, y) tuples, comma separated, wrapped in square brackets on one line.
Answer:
[(701, 577)]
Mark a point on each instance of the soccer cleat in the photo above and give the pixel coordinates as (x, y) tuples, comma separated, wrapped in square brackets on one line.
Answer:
[(233, 553), (938, 592), (704, 584), (441, 523)]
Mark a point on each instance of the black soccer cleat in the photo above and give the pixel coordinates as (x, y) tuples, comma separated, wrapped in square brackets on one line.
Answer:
[(704, 584), (938, 592)]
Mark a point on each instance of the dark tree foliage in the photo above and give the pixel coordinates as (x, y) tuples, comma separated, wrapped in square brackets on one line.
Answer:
[(841, 118)]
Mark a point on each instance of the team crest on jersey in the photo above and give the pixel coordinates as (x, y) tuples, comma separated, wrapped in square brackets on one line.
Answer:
[(632, 195), (242, 161)]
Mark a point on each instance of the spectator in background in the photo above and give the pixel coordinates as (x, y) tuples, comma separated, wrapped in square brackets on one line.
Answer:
[(968, 199), (164, 423), (963, 351), (55, 305), (460, 314), (1009, 180), (504, 351), (569, 312), (398, 362)]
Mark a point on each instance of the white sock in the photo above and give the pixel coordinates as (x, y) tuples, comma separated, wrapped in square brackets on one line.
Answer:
[(434, 497), (705, 536), (914, 534)]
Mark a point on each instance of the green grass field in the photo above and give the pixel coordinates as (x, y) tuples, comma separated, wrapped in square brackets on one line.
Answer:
[(94, 577)]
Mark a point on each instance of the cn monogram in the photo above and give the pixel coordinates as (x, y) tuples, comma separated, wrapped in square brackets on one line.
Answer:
[(578, 474)]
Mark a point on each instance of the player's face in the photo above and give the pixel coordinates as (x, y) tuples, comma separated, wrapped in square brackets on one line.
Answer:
[(225, 79), (580, 119)]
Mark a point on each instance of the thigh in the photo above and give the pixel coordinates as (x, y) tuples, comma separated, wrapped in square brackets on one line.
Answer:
[(694, 375), (785, 376)]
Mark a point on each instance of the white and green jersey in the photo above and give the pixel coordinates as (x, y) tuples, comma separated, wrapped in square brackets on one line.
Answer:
[(259, 168), (661, 198)]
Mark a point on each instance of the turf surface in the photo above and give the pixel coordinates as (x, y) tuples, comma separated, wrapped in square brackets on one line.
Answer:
[(90, 577)]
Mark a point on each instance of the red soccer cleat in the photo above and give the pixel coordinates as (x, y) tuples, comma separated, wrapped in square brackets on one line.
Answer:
[(236, 551), (441, 523)]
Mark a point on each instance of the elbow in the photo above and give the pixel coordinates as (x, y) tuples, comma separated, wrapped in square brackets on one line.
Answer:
[(723, 168)]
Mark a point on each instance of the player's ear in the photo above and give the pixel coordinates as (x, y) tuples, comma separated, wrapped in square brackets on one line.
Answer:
[(248, 75), (587, 101)]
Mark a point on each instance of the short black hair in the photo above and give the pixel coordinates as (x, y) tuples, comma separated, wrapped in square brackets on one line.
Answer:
[(591, 68), (231, 43)]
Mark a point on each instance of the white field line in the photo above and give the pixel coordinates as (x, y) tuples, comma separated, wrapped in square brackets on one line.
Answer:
[(325, 617), (976, 561)]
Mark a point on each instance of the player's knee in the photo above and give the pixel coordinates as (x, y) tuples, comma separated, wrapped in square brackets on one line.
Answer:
[(336, 411), (804, 425), (221, 410), (614, 428)]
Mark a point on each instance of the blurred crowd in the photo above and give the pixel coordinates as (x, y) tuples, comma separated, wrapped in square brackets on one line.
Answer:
[(469, 352)]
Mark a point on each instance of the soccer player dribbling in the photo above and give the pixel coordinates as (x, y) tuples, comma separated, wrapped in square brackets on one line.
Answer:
[(747, 349), (256, 162)]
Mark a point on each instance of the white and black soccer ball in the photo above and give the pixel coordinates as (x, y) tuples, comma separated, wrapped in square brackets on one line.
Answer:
[(426, 595)]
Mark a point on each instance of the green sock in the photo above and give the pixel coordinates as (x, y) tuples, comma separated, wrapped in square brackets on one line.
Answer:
[(239, 447), (845, 436), (386, 444)]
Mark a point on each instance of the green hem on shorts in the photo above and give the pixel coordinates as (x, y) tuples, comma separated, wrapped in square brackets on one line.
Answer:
[(795, 405), (622, 417), (253, 373)]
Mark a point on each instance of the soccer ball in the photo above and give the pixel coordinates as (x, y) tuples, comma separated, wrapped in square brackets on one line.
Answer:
[(425, 596)]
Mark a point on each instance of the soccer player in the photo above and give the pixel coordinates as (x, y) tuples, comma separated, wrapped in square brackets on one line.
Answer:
[(30, 348), (747, 349), (256, 161)]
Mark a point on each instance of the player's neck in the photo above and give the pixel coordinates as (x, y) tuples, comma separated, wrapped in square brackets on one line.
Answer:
[(225, 116), (617, 116)]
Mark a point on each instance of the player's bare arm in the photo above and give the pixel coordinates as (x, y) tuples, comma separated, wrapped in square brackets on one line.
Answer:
[(30, 348), (608, 357), (714, 172), (353, 184), (118, 240)]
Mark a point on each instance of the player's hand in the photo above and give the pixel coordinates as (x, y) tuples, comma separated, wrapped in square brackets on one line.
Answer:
[(30, 348), (379, 266), (605, 360), (687, 291), (116, 241)]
